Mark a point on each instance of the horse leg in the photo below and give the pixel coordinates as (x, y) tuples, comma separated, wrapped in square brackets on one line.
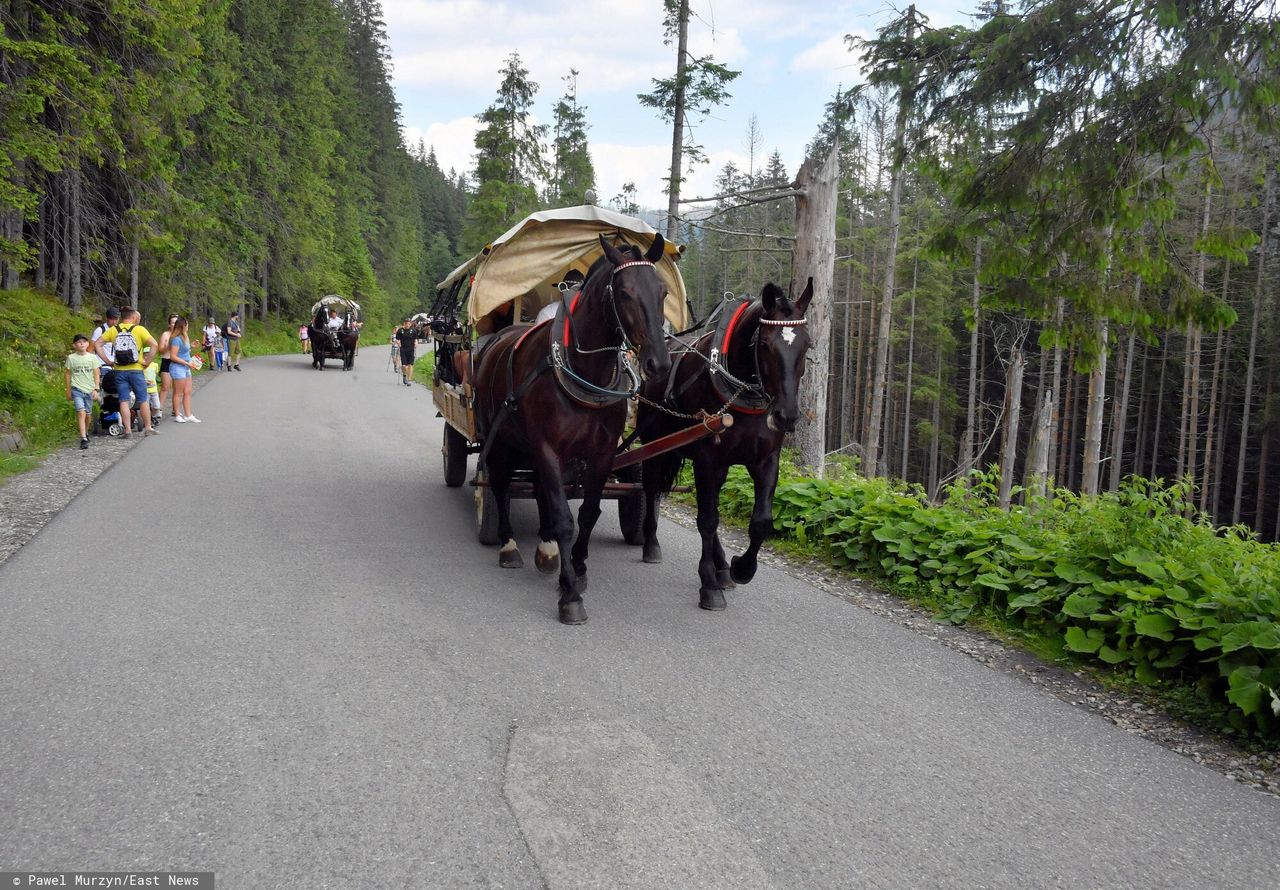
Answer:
[(722, 566), (560, 523), (765, 476), (547, 556), (593, 482), (498, 474), (654, 472), (708, 479)]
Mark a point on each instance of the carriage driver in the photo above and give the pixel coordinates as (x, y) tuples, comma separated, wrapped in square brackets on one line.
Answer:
[(334, 322)]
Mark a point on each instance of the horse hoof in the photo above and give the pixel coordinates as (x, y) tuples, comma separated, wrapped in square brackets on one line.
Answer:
[(652, 553), (547, 563), (724, 580), (741, 571), (573, 613), (510, 559), (711, 599)]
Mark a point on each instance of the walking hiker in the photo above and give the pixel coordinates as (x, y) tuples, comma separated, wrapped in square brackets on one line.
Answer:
[(231, 333), (83, 382), (212, 346), (408, 339), (128, 339), (304, 337)]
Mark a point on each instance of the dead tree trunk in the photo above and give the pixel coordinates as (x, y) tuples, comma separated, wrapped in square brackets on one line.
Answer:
[(1037, 474), (1120, 414), (1009, 444), (871, 444), (677, 129), (968, 440), (1253, 349), (75, 287), (815, 256), (911, 362), (1090, 471)]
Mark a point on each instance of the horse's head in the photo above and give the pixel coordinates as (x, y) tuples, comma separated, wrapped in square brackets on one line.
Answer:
[(781, 345), (637, 293)]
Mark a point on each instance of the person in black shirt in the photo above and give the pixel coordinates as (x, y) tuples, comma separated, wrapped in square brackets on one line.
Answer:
[(407, 337)]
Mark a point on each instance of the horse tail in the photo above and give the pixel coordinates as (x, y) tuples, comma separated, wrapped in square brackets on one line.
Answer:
[(666, 468)]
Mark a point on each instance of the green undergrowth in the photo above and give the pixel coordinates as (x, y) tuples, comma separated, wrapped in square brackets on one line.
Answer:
[(1125, 583)]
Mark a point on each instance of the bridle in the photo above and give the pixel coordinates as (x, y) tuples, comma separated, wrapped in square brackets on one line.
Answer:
[(627, 345), (594, 393)]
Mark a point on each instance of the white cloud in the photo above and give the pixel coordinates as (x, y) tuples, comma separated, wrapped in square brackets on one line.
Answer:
[(454, 142), (831, 59)]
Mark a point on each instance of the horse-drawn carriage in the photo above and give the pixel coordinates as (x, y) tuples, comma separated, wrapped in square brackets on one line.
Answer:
[(567, 328), (334, 331)]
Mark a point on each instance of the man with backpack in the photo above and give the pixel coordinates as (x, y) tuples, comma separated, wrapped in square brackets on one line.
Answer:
[(231, 334), (128, 340)]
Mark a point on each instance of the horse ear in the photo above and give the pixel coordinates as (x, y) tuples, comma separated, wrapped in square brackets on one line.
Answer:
[(615, 256), (771, 296), (655, 249), (803, 303)]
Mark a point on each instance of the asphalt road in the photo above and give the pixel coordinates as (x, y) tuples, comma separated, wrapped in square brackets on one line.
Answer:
[(269, 646)]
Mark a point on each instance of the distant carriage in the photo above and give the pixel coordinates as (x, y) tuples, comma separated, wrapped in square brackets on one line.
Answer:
[(328, 342)]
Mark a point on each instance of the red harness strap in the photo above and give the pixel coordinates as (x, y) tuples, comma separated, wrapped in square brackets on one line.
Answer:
[(724, 352)]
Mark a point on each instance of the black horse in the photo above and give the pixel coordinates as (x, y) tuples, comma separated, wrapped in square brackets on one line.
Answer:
[(553, 398), (328, 343), (750, 362)]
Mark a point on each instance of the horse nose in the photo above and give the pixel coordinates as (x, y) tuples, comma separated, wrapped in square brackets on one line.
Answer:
[(786, 419), (656, 367)]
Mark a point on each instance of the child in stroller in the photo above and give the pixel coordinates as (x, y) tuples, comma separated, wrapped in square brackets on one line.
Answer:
[(108, 420)]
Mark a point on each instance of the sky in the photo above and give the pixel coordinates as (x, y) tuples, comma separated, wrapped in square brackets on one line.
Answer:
[(446, 55)]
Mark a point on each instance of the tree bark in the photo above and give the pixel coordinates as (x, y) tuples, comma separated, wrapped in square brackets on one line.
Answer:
[(1242, 458), (1213, 416), (1120, 414), (968, 440), (677, 129), (1051, 451), (911, 361), (1154, 470), (1012, 409), (75, 290), (932, 483), (815, 254), (1093, 418), (1037, 475), (42, 251)]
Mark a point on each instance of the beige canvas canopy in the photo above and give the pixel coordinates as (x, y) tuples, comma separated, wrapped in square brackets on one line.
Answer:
[(524, 265), (337, 302)]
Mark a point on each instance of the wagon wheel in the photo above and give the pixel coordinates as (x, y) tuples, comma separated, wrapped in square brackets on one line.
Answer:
[(631, 508), (486, 512), (455, 457)]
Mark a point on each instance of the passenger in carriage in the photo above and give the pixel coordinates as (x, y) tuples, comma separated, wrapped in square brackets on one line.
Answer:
[(573, 281)]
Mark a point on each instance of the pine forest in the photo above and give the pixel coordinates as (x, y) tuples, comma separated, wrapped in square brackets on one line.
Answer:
[(1056, 226)]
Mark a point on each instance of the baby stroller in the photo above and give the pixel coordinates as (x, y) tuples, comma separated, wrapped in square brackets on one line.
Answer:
[(107, 422)]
